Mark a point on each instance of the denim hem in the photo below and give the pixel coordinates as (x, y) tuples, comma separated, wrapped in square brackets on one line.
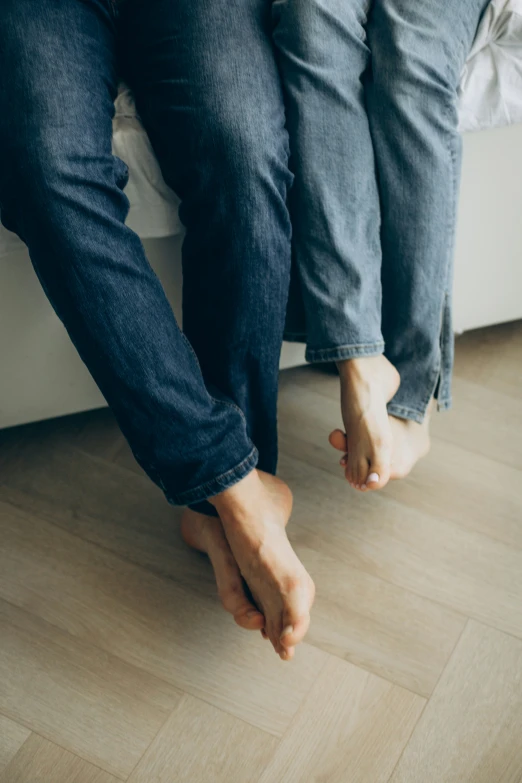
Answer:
[(341, 352), (216, 485), (413, 414)]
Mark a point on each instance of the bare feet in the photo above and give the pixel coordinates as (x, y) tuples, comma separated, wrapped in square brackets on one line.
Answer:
[(254, 514), (411, 442), (367, 385), (206, 534)]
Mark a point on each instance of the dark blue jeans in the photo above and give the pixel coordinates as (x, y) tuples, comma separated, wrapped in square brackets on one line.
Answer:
[(214, 113)]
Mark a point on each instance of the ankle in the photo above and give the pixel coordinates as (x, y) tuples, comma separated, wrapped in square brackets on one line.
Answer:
[(359, 368), (236, 502)]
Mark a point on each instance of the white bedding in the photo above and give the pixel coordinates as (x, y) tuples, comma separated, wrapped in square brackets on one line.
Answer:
[(490, 96), (491, 87)]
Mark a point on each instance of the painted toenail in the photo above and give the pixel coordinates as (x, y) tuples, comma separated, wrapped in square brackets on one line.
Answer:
[(373, 478), (287, 631)]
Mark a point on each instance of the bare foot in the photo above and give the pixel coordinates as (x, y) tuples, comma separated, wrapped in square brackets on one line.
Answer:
[(411, 442), (367, 385), (254, 513), (206, 534)]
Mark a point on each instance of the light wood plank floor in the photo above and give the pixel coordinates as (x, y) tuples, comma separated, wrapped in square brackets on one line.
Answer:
[(117, 663)]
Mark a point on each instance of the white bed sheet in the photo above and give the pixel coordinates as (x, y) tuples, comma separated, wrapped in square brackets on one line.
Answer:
[(491, 87), (490, 96)]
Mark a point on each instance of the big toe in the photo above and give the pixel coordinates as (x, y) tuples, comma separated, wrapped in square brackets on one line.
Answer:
[(234, 599), (249, 618), (379, 471), (232, 590), (337, 439), (296, 617)]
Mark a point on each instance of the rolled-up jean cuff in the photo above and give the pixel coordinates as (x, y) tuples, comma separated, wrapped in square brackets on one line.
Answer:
[(341, 352), (215, 485)]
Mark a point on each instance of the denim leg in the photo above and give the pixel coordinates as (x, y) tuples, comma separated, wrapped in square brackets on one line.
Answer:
[(61, 191), (418, 50), (323, 57), (209, 94)]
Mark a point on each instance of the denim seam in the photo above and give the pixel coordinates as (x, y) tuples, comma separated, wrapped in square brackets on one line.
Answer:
[(216, 485), (340, 352), (439, 372), (449, 251)]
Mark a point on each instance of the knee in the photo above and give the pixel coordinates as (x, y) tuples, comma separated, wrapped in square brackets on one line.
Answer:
[(47, 173), (415, 63), (318, 31), (28, 172), (36, 167), (28, 184), (242, 164)]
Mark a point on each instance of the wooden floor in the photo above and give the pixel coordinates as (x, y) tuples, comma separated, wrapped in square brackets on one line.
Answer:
[(117, 663)]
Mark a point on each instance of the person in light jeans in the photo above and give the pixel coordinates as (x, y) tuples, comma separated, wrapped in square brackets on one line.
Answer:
[(371, 93)]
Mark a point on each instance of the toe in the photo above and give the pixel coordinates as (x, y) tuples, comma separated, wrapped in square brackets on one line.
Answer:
[(293, 633), (361, 473), (232, 593), (249, 619), (234, 600), (296, 618), (287, 654), (351, 471), (337, 439), (272, 634), (379, 470), (206, 535)]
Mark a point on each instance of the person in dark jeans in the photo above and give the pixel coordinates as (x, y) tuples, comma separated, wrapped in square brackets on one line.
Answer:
[(198, 408)]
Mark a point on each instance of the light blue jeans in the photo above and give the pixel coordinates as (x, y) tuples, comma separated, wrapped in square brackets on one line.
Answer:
[(371, 101)]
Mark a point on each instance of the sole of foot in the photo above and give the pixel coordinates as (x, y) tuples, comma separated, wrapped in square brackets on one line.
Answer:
[(367, 385), (411, 442), (205, 534), (254, 514)]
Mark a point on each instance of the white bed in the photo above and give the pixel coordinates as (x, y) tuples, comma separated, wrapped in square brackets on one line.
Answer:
[(41, 374)]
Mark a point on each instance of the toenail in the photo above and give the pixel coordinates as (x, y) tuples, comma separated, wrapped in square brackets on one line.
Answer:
[(373, 478), (287, 631), (252, 613), (363, 486)]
